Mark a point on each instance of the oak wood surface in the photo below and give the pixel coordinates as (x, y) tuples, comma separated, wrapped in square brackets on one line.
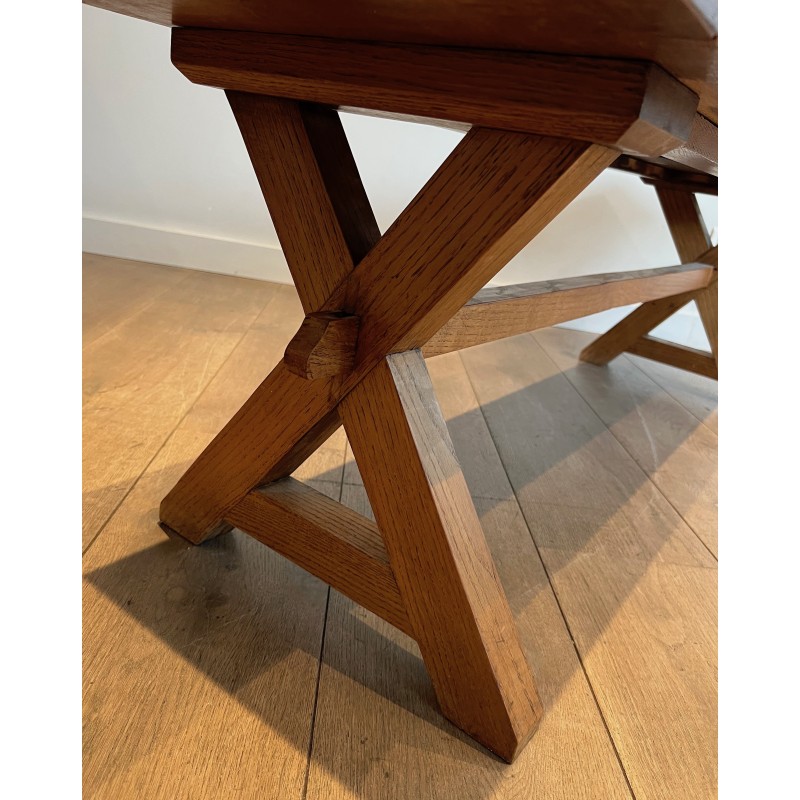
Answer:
[(490, 197), (678, 34), (311, 185), (675, 355), (310, 180), (493, 699), (262, 433), (456, 604), (438, 552), (632, 105), (446, 242), (648, 315), (685, 222), (325, 345), (513, 707), (327, 539), (498, 312)]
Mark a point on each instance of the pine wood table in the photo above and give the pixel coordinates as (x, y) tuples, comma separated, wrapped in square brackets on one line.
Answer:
[(551, 93)]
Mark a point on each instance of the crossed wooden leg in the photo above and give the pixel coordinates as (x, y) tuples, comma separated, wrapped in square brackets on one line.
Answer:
[(631, 334), (425, 566)]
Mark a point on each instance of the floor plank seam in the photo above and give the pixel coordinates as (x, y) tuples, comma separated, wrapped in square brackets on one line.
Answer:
[(175, 428), (583, 669), (552, 589), (632, 456), (316, 696), (321, 652), (676, 399)]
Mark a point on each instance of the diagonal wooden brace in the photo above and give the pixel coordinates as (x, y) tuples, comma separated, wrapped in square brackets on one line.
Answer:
[(487, 200), (441, 562), (631, 334)]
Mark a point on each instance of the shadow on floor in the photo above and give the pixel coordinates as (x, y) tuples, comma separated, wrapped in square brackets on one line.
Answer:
[(235, 610)]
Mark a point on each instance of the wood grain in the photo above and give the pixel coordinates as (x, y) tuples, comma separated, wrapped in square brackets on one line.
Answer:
[(204, 653), (324, 537), (685, 222), (264, 431), (437, 550), (643, 319), (508, 25), (309, 177), (377, 733), (579, 487), (663, 635), (324, 346), (635, 106), (168, 336), (116, 289), (689, 233), (441, 250), (498, 312), (312, 188), (679, 34), (676, 355), (490, 197)]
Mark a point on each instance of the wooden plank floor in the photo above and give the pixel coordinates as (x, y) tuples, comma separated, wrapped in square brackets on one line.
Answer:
[(225, 671)]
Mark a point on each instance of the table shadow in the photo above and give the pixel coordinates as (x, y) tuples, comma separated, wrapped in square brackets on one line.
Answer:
[(236, 611)]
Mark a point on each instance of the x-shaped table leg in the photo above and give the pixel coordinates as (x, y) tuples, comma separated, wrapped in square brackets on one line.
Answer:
[(631, 334), (427, 563)]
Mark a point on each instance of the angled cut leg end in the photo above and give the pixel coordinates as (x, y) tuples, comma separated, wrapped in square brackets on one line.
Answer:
[(437, 550)]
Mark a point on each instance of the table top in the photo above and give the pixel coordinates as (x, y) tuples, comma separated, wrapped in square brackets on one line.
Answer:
[(680, 35)]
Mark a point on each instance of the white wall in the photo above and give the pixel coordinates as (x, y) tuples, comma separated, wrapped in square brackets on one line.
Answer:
[(167, 179)]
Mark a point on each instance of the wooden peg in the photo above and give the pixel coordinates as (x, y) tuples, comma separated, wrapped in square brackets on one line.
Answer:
[(324, 346)]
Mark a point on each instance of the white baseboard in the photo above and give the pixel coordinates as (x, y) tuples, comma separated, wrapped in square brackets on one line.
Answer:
[(192, 251), (263, 262)]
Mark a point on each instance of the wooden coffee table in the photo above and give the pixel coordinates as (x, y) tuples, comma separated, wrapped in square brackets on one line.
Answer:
[(550, 94)]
